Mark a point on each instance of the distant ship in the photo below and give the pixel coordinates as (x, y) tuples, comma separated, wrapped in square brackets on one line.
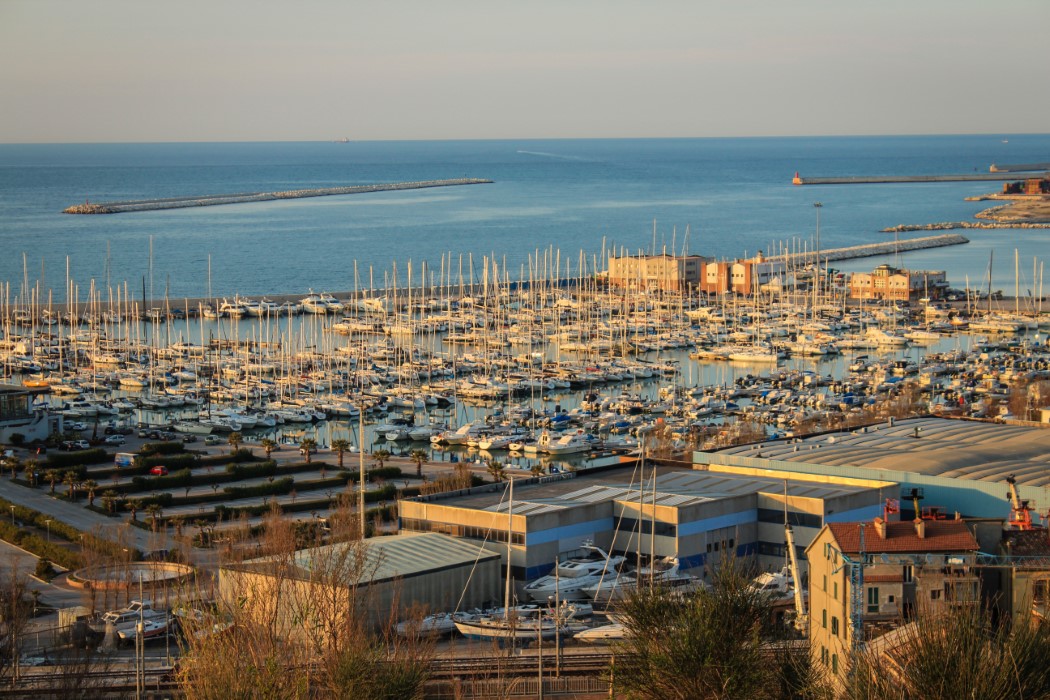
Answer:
[(342, 140)]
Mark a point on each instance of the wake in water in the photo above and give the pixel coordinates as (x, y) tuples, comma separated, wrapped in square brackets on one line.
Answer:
[(544, 154)]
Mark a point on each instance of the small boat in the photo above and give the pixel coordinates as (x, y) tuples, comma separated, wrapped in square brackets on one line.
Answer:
[(574, 575)]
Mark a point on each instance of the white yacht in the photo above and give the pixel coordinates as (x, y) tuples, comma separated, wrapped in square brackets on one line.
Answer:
[(573, 575)]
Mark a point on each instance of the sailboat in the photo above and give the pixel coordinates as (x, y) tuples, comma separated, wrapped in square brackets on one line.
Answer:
[(510, 624)]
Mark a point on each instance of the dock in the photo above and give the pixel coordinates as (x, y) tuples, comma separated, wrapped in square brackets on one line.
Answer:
[(881, 179), (868, 250), (1019, 168), (217, 199)]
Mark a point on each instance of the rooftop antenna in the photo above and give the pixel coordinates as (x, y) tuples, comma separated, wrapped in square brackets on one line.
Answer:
[(916, 496)]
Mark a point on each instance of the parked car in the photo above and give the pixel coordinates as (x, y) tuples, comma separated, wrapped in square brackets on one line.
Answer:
[(115, 440), (159, 471), (212, 440), (189, 438), (77, 426), (72, 445)]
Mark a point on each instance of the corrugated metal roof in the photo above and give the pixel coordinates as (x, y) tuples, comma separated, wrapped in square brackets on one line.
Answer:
[(391, 557)]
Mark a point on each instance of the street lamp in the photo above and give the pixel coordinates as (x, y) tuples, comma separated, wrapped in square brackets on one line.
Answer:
[(12, 515), (48, 523)]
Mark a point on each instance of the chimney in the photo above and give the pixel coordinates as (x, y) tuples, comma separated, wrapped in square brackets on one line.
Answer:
[(880, 527), (920, 528)]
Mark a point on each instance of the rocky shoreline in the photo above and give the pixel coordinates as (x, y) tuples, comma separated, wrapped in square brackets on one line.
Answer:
[(1018, 211)]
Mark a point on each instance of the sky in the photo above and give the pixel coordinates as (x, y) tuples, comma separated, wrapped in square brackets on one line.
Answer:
[(310, 70)]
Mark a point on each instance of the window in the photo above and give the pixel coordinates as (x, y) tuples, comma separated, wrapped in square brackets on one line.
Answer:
[(873, 599), (891, 599), (731, 543), (825, 589), (835, 626), (834, 663), (716, 546), (935, 595), (708, 547), (824, 619), (835, 588), (908, 574)]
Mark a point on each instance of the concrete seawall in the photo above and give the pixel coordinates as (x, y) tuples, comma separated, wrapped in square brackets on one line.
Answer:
[(872, 249), (877, 179), (217, 199)]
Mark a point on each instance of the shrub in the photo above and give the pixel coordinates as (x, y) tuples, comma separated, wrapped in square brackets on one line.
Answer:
[(162, 448), (64, 460), (44, 569), (383, 473)]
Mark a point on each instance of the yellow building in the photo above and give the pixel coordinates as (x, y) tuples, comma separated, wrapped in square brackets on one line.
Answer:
[(889, 283), (866, 579)]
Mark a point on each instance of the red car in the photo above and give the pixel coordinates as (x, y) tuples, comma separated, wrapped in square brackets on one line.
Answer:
[(159, 471)]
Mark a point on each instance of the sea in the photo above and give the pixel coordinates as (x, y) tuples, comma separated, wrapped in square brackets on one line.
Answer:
[(570, 200)]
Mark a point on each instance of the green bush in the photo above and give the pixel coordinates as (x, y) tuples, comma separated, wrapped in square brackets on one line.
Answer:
[(183, 478), (384, 473), (241, 455), (250, 471), (63, 460), (161, 448), (278, 487), (45, 569)]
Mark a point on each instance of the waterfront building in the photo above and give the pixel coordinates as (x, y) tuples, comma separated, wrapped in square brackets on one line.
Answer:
[(887, 283), (745, 276), (867, 578), (697, 516), (656, 272)]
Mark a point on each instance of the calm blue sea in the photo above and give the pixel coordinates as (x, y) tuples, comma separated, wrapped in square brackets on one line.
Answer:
[(732, 195)]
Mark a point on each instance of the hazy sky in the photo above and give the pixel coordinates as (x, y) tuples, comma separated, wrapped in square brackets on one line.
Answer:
[(262, 70)]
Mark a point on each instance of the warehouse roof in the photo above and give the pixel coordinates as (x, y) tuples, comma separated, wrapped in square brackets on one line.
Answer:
[(383, 558), (940, 447), (674, 487)]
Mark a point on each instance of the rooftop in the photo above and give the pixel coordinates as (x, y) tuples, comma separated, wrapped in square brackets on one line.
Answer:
[(398, 556), (901, 537), (674, 487), (929, 446)]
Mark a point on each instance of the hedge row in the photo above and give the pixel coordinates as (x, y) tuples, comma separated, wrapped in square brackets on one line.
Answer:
[(278, 487), (57, 529), (61, 460), (39, 546)]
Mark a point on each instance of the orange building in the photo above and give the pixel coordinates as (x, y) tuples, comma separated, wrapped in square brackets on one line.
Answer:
[(656, 272)]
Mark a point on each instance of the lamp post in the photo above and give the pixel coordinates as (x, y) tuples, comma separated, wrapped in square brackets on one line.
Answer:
[(48, 523), (12, 515)]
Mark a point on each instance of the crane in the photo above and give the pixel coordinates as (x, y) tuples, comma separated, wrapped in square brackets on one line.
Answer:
[(1020, 512), (801, 618)]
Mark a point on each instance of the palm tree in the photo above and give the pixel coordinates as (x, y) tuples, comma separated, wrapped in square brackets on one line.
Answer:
[(154, 511), (268, 446), (306, 447), (235, 440), (109, 499), (90, 486), (496, 469), (380, 457), (537, 469), (176, 524), (340, 447), (52, 477), (419, 456), (30, 472), (134, 505), (13, 463), (71, 480)]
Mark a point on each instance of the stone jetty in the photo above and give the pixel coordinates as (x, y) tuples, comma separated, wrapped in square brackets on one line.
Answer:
[(949, 225), (217, 199), (868, 250)]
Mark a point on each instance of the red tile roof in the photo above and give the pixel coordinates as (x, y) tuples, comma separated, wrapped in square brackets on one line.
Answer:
[(941, 536)]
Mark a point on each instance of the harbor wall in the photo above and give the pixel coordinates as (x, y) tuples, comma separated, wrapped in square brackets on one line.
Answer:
[(868, 250), (242, 198)]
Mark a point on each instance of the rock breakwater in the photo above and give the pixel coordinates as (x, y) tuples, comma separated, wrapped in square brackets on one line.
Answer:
[(242, 198)]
